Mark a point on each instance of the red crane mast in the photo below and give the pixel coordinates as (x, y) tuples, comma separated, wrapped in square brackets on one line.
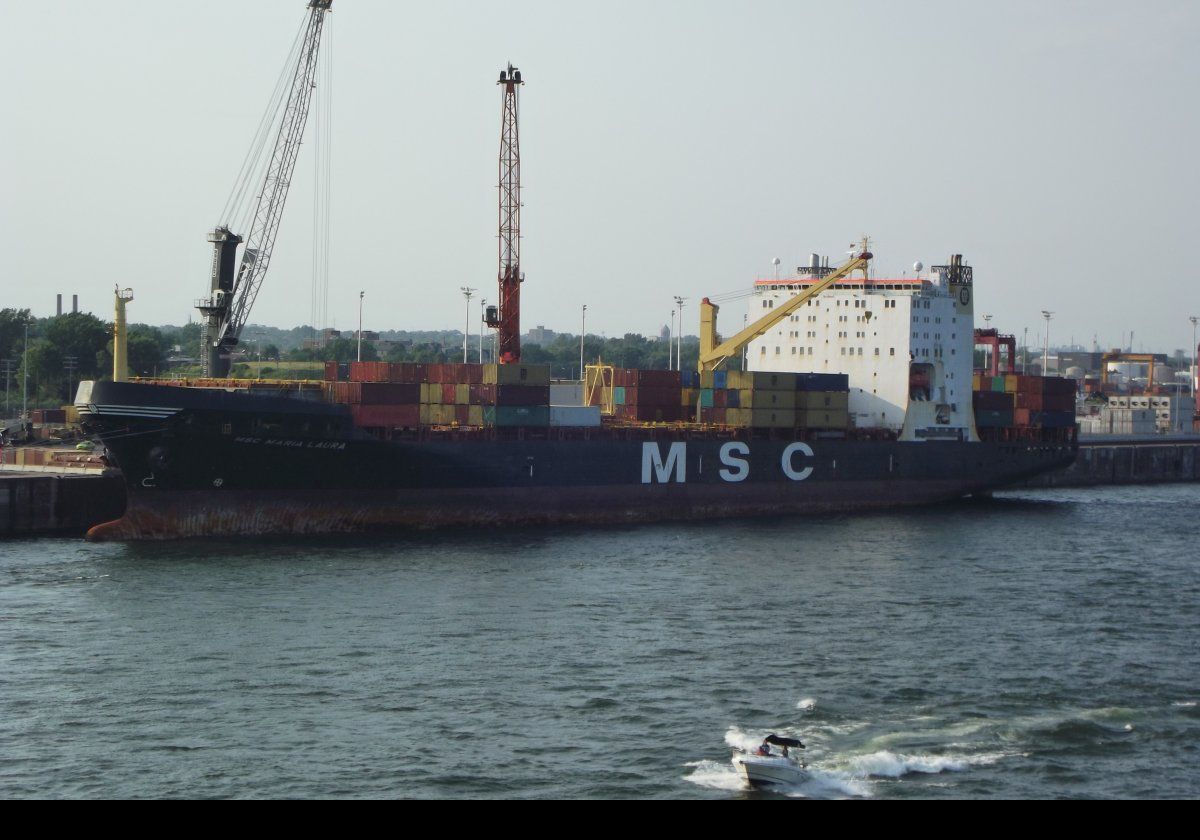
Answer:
[(507, 320)]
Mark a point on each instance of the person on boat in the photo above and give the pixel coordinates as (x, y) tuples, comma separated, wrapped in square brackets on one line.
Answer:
[(764, 748)]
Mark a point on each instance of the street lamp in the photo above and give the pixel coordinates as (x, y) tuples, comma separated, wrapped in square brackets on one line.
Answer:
[(671, 343), (467, 293), (1195, 353), (1046, 355), (679, 341), (582, 333), (482, 321), (361, 295)]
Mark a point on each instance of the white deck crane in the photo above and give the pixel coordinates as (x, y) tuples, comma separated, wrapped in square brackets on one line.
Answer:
[(228, 306)]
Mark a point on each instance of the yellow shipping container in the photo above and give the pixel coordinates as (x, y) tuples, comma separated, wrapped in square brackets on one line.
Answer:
[(761, 380), (462, 394), (426, 413), (516, 374), (773, 418), (739, 417), (975, 381), (757, 398), (824, 400), (821, 419), (475, 415), (706, 379), (1010, 383), (427, 393)]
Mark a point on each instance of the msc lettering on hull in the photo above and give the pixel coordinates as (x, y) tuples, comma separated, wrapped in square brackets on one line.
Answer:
[(734, 457)]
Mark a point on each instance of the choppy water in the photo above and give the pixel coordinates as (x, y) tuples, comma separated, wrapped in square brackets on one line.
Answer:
[(1042, 644)]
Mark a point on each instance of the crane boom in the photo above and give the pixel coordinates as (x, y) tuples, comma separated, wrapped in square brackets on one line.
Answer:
[(712, 355), (228, 307), (507, 320)]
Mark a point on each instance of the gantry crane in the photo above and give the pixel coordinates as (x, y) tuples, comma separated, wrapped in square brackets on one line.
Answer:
[(1117, 356), (506, 318), (228, 305), (713, 355)]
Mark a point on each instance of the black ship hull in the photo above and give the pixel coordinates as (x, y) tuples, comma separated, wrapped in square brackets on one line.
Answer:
[(204, 463)]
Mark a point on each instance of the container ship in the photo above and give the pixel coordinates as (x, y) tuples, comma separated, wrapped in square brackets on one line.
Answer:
[(399, 445), (866, 402)]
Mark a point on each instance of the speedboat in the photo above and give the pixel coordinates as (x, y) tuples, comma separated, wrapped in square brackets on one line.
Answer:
[(772, 763)]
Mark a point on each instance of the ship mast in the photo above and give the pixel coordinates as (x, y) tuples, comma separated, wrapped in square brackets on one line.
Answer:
[(228, 306), (507, 321)]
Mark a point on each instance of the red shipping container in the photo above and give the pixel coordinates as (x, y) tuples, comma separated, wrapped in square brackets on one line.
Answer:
[(475, 394), (1058, 402), (712, 415), (389, 393), (368, 372), (331, 371), (474, 374), (448, 391), (386, 416), (1058, 386), (659, 379), (1021, 417), (406, 373), (720, 399), (657, 394), (487, 394), (462, 415), (1030, 401)]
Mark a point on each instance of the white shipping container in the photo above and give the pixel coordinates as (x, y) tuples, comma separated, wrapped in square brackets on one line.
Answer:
[(575, 415), (566, 393)]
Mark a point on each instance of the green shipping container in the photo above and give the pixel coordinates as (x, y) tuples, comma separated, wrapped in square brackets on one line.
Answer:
[(706, 398), (505, 416), (619, 395)]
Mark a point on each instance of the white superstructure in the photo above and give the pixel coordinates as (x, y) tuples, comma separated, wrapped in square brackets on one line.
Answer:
[(906, 345)]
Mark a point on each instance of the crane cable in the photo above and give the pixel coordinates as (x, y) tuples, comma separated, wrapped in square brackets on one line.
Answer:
[(238, 204), (322, 189)]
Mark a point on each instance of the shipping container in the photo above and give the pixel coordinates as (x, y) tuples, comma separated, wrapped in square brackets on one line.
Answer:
[(507, 416), (586, 416), (386, 416), (832, 400), (770, 418), (756, 398), (517, 374), (822, 382), (822, 419), (522, 395)]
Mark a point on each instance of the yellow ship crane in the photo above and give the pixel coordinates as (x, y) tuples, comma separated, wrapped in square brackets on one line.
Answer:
[(713, 355)]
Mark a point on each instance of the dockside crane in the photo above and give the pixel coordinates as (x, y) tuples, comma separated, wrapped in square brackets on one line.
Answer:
[(506, 318), (231, 297), (713, 355)]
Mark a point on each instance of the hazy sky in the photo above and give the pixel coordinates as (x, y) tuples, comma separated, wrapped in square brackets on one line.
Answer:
[(667, 148)]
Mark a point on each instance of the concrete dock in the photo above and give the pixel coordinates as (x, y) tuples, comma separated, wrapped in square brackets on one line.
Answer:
[(43, 500), (1128, 459)]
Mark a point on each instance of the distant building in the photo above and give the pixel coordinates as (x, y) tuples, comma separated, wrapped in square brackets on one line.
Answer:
[(540, 335), (327, 335)]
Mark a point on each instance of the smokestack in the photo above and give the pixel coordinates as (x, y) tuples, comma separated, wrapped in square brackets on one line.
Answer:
[(74, 304), (59, 303)]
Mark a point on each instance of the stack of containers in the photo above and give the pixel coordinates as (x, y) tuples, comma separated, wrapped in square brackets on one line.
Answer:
[(994, 400), (648, 396), (1045, 402), (407, 394), (516, 395), (764, 400), (385, 405), (714, 395)]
